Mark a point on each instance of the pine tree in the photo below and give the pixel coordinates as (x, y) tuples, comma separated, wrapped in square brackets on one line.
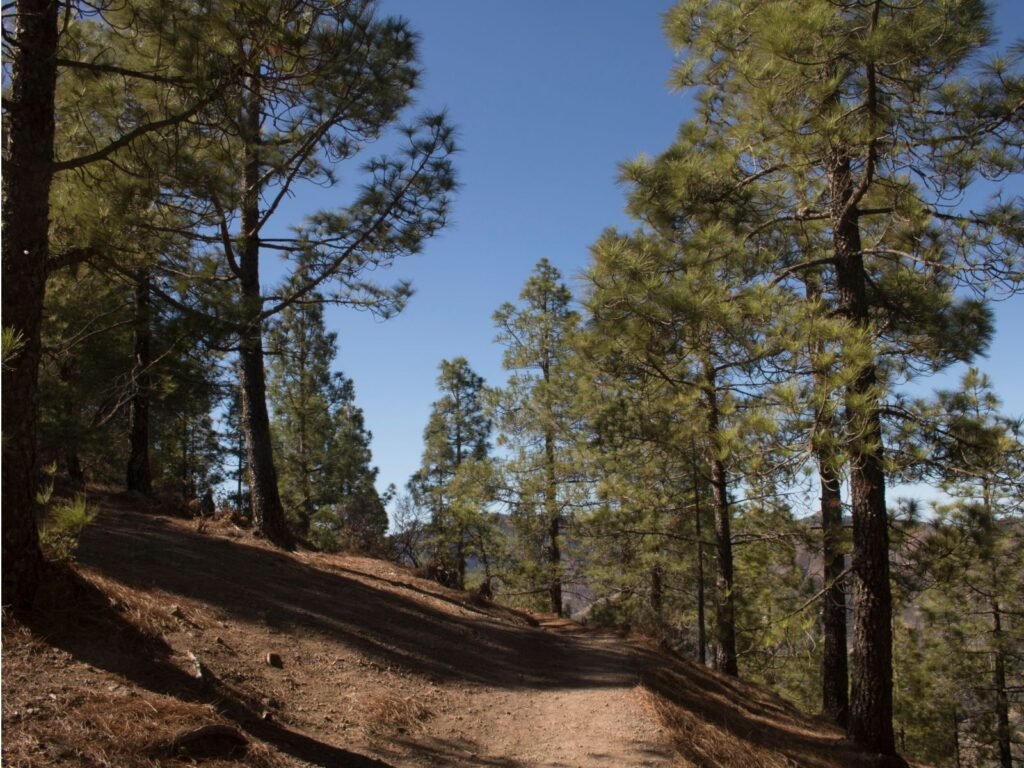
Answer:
[(455, 453), (972, 562), (683, 316), (28, 171), (44, 45), (823, 106), (536, 409), (314, 84), (321, 443)]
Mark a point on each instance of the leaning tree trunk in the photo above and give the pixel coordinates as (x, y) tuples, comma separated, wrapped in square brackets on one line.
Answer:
[(267, 511), (138, 476), (871, 706), (28, 171)]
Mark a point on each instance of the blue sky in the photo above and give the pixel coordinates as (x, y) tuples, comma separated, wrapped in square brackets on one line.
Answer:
[(549, 97)]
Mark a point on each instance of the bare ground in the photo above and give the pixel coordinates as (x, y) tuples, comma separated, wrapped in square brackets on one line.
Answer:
[(160, 657)]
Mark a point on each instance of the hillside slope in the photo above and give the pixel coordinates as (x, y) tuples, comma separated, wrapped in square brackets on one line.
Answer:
[(180, 646)]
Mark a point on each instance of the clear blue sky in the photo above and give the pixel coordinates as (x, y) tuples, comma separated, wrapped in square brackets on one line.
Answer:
[(549, 97)]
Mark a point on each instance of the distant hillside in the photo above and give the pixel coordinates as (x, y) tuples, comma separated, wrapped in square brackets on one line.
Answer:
[(177, 646)]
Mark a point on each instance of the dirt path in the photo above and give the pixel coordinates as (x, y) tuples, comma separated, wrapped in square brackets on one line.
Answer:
[(591, 716), (348, 662), (375, 662)]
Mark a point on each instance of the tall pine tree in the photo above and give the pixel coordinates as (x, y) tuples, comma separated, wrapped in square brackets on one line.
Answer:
[(320, 440), (537, 417), (456, 449)]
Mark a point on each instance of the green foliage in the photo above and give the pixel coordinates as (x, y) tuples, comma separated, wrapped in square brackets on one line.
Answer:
[(322, 446), (455, 482), (10, 345), (62, 527), (959, 644), (540, 427)]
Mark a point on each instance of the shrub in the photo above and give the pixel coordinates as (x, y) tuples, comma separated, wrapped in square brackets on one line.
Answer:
[(64, 523)]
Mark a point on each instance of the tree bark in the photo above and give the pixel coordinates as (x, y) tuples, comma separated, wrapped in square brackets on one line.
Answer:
[(871, 707), (725, 600), (138, 476), (265, 501), (835, 698), (835, 675), (69, 412), (28, 172), (1002, 702), (702, 634), (551, 484), (554, 525)]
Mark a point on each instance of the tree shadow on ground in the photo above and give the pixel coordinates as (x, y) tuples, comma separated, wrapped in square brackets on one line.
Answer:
[(432, 632), (258, 585), (74, 615)]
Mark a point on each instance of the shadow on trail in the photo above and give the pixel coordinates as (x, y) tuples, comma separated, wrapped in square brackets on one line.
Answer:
[(407, 627), (258, 585)]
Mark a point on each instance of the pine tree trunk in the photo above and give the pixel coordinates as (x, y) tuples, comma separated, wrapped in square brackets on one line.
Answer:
[(657, 591), (265, 501), (725, 600), (27, 173), (554, 526), (1002, 702), (551, 489), (138, 476), (871, 707), (69, 432), (835, 701), (835, 675), (554, 564), (702, 634)]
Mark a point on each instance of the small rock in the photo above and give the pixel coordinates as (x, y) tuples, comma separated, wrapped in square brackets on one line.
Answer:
[(197, 666), (274, 660)]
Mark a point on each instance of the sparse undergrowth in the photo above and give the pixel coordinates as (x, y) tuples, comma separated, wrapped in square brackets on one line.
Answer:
[(63, 526)]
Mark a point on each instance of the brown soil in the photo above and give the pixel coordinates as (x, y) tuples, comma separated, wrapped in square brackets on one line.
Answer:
[(160, 657)]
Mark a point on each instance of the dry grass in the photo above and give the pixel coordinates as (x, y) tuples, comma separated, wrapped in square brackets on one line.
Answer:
[(72, 714), (116, 731), (389, 712), (719, 721), (703, 744)]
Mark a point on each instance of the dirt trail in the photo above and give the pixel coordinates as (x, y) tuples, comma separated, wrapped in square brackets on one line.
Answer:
[(378, 662), (162, 632), (598, 719)]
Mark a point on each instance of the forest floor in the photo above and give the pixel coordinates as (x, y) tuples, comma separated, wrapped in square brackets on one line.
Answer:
[(177, 647)]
